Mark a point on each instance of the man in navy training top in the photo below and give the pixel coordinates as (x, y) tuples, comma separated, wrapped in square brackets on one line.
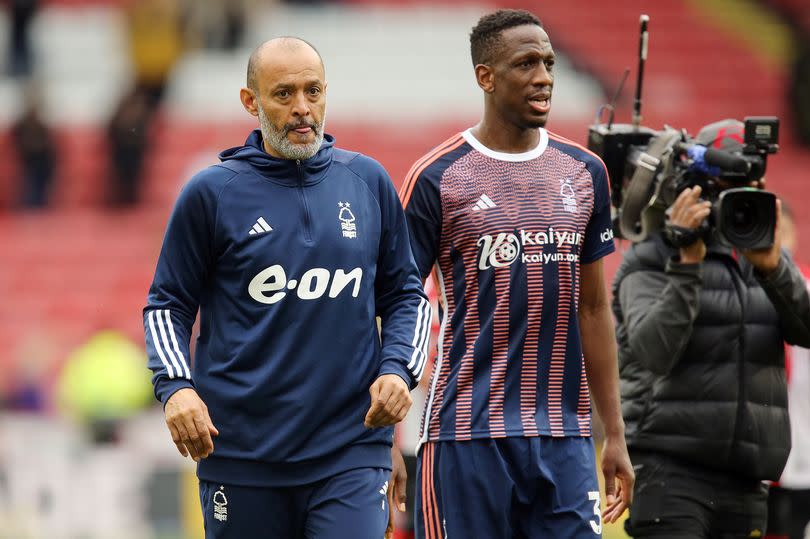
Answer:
[(514, 221), (289, 248)]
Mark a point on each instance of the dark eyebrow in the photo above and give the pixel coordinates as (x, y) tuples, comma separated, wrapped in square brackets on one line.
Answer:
[(527, 56), (289, 86)]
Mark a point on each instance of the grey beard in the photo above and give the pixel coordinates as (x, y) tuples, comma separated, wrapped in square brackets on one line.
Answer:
[(277, 139)]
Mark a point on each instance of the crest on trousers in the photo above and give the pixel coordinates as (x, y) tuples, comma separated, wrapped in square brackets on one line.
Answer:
[(220, 505), (347, 225)]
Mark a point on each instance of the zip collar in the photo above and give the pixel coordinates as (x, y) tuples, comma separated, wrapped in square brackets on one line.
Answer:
[(289, 172)]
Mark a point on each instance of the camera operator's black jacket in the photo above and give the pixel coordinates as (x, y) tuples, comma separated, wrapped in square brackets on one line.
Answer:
[(701, 356)]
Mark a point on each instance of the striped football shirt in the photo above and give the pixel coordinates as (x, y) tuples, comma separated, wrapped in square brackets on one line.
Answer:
[(505, 236)]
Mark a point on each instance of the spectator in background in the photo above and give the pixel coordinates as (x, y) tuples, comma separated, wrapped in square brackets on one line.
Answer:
[(789, 501), (20, 53), (156, 42), (217, 24), (36, 151), (127, 133), (799, 87), (25, 384), (103, 383)]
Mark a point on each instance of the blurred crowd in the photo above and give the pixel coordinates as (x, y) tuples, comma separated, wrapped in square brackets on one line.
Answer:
[(159, 32)]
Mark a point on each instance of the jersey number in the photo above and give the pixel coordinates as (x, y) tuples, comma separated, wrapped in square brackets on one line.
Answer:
[(596, 525)]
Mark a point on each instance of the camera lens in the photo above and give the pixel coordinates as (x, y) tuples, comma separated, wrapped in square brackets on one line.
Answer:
[(746, 217)]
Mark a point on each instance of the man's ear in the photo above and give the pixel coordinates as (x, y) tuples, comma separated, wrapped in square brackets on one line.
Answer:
[(485, 77), (249, 101)]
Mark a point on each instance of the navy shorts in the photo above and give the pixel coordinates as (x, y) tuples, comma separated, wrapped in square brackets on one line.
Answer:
[(350, 505), (538, 487)]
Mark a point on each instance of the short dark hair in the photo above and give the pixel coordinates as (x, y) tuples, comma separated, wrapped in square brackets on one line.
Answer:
[(291, 41), (486, 35)]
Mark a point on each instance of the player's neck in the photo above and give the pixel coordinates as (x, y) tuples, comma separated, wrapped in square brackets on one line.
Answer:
[(501, 136)]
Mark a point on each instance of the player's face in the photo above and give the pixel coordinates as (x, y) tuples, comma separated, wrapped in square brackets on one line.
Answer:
[(522, 76), (291, 103)]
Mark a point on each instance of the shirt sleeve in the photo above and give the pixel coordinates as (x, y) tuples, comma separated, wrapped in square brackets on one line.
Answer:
[(787, 290), (659, 309), (599, 232), (174, 296), (421, 200), (402, 304)]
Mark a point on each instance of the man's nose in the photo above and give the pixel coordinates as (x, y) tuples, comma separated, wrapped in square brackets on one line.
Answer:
[(542, 76), (300, 105)]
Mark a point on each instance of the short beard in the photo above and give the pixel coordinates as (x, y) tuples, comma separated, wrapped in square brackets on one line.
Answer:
[(278, 140)]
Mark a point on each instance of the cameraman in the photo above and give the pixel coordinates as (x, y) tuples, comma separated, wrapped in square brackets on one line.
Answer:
[(701, 332)]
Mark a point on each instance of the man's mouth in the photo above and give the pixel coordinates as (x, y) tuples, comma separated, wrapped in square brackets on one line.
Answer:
[(301, 129), (541, 102)]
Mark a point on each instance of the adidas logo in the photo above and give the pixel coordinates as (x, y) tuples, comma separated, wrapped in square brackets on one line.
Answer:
[(484, 203), (260, 227)]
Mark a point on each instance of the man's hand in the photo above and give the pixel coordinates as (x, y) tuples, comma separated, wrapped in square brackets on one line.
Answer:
[(688, 211), (616, 468), (191, 427), (767, 260), (390, 401), (396, 489)]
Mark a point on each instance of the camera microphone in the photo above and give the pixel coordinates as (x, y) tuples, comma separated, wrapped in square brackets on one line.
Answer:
[(727, 161), (712, 161)]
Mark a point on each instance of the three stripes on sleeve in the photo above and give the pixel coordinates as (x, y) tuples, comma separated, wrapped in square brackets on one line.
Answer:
[(164, 340), (421, 339)]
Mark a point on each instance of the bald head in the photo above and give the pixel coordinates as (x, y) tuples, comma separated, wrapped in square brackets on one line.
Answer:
[(272, 49)]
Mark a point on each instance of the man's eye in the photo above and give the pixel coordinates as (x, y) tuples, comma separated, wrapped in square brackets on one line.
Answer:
[(314, 90)]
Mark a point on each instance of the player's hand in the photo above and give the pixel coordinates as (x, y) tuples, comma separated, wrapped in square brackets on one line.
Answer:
[(767, 260), (396, 488), (390, 401), (619, 478), (191, 427)]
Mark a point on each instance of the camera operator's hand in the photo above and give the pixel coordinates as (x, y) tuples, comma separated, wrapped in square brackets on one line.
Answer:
[(766, 260), (689, 211)]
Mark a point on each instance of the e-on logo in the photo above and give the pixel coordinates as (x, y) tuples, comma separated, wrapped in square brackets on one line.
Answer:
[(266, 287)]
